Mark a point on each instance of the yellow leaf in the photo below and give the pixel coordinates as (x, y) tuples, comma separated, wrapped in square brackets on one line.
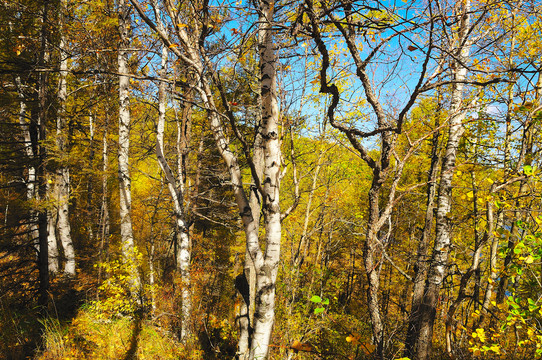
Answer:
[(19, 49), (368, 348), (299, 346)]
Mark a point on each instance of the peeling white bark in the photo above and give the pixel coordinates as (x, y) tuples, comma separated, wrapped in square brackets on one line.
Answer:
[(439, 261), (31, 189), (125, 198), (52, 244), (176, 191), (62, 183), (266, 272), (265, 266)]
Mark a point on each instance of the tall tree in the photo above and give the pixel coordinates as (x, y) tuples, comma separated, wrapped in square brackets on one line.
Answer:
[(193, 53), (176, 190), (125, 198), (387, 166), (40, 125), (438, 265), (62, 181)]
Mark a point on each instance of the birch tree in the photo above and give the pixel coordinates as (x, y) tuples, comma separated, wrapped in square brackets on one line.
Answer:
[(438, 265), (125, 198), (192, 53), (177, 193), (31, 180), (43, 59), (62, 181)]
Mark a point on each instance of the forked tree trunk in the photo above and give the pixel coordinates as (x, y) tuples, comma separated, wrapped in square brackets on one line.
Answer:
[(176, 190), (246, 310), (265, 265)]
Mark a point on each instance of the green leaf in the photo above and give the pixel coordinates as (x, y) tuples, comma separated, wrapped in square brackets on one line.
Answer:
[(528, 170), (325, 302), (318, 310), (316, 299)]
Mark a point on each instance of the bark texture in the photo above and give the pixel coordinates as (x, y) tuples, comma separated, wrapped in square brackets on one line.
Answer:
[(439, 259), (421, 258), (62, 183), (125, 198), (266, 271), (176, 191)]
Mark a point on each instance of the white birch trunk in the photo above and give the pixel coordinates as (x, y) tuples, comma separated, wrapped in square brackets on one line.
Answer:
[(125, 199), (104, 208), (246, 311), (177, 194), (266, 272), (31, 191), (439, 261), (265, 266), (52, 244), (62, 183)]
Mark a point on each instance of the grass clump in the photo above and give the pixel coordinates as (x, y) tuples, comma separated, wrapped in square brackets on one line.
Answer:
[(91, 336)]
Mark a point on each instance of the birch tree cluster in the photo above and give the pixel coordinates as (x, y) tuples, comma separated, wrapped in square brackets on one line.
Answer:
[(314, 179)]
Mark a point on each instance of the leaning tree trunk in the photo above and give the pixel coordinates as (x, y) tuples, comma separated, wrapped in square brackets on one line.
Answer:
[(125, 198), (439, 261)]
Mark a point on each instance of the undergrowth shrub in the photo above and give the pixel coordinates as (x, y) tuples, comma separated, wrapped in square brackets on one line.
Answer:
[(91, 336)]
